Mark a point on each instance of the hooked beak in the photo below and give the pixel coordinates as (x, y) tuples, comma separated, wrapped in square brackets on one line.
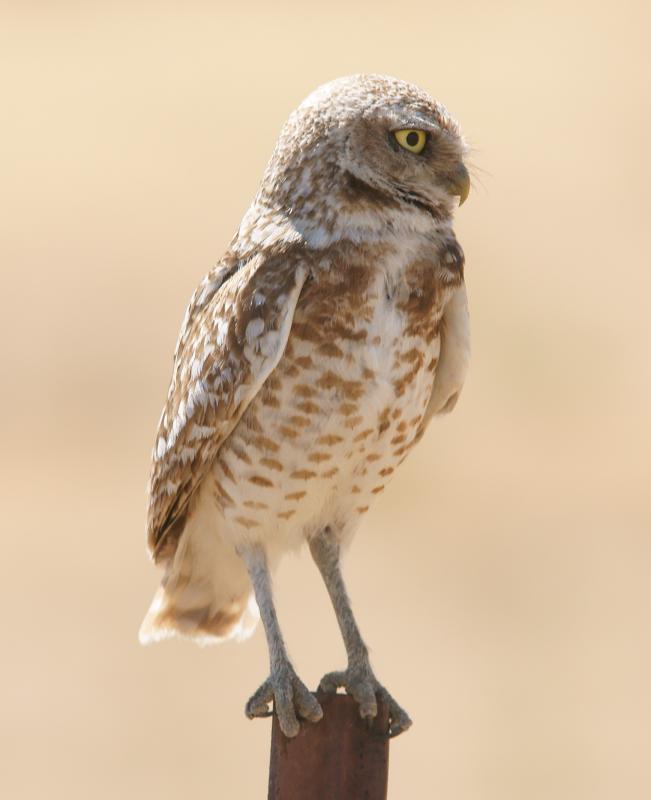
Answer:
[(458, 183)]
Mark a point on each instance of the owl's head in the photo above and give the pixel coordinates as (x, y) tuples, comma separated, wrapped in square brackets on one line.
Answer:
[(371, 140)]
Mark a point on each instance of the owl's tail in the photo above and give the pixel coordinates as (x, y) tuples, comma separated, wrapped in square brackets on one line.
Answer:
[(205, 593)]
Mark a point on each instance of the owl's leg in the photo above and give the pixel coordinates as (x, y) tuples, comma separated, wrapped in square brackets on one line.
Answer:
[(358, 678), (291, 698)]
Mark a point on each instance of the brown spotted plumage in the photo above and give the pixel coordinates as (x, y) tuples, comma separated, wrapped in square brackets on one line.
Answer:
[(310, 361)]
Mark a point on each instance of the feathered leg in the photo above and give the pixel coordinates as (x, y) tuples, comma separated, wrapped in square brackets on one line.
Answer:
[(291, 698), (358, 679)]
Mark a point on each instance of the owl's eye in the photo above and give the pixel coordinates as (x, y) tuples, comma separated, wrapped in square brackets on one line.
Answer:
[(411, 139)]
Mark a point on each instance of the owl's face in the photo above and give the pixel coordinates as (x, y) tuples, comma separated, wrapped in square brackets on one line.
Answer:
[(359, 143), (412, 152)]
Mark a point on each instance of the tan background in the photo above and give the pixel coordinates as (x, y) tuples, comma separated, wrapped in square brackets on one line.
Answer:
[(504, 580)]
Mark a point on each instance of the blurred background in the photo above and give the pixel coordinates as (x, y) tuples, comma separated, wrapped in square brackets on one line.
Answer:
[(504, 579)]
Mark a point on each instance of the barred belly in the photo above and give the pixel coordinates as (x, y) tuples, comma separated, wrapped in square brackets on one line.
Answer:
[(334, 421)]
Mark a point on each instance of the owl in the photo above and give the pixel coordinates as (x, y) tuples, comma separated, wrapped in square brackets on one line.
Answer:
[(310, 361)]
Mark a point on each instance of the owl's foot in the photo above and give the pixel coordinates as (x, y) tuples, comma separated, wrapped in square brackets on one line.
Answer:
[(364, 687), (291, 699)]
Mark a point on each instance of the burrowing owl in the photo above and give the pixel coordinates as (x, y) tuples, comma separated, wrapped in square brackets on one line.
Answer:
[(309, 363)]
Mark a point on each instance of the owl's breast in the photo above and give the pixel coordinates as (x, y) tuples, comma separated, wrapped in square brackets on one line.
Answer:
[(341, 410)]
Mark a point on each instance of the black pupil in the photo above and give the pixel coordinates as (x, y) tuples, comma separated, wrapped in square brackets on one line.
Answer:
[(412, 138)]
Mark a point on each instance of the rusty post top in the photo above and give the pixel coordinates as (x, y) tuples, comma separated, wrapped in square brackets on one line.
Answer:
[(342, 757)]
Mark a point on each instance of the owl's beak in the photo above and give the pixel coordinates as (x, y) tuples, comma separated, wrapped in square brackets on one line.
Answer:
[(458, 183)]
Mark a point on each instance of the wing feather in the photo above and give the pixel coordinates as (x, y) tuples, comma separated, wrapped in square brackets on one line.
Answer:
[(454, 357), (233, 336)]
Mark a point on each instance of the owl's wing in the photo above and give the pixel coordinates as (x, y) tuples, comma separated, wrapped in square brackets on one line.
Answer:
[(454, 357), (233, 336)]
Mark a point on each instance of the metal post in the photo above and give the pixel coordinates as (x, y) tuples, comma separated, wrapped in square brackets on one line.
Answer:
[(342, 757)]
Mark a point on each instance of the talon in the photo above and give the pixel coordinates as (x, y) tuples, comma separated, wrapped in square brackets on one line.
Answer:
[(291, 699), (398, 728), (400, 720), (306, 704), (258, 704), (290, 727), (364, 687), (258, 712), (364, 694)]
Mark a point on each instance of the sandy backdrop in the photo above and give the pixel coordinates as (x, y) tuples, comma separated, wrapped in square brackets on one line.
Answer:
[(504, 579)]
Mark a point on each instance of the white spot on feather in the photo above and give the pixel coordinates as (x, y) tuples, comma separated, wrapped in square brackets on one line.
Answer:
[(269, 344), (187, 454), (254, 329), (201, 432), (221, 330), (196, 367)]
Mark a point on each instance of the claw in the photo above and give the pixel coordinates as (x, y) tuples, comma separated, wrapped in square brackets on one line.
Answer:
[(364, 687), (399, 718), (291, 699)]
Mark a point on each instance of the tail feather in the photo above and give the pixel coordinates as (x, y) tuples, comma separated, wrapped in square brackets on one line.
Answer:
[(203, 624), (205, 594)]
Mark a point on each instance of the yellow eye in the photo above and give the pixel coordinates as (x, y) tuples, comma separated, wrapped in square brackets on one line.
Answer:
[(411, 139)]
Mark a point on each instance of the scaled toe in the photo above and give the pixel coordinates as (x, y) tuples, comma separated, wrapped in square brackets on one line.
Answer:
[(364, 687), (292, 701)]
